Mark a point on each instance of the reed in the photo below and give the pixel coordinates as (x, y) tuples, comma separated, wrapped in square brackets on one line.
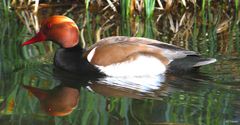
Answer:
[(129, 8), (237, 4), (87, 2), (149, 6), (125, 8)]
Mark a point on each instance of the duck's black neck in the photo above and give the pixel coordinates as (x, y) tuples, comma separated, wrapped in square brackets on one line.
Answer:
[(75, 48), (71, 59)]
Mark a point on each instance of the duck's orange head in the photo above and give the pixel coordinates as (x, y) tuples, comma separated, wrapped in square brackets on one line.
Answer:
[(59, 29)]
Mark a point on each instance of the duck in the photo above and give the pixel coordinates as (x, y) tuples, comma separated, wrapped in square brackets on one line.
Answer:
[(115, 55)]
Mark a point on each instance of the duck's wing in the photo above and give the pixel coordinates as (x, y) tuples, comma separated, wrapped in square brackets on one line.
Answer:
[(169, 51), (179, 58), (118, 49)]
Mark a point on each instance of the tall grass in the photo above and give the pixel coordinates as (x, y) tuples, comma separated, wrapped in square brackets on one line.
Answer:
[(149, 6), (125, 8), (87, 2), (237, 4)]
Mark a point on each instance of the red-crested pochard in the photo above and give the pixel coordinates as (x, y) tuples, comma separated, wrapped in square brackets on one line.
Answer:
[(116, 55)]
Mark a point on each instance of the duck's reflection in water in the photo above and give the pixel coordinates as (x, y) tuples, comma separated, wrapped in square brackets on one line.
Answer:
[(132, 87), (62, 99), (59, 101)]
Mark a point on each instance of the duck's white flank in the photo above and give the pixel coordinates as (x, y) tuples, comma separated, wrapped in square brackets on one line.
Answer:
[(142, 66)]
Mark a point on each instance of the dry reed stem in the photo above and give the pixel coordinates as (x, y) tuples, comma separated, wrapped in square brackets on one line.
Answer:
[(168, 5), (82, 38), (98, 34), (82, 33), (184, 3), (35, 22), (173, 27), (111, 5), (158, 18), (223, 26), (184, 29), (70, 9), (36, 6), (106, 7), (26, 21), (160, 5), (139, 5)]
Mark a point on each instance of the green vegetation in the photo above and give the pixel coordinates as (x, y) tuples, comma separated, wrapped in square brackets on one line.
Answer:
[(149, 6), (125, 8), (129, 8)]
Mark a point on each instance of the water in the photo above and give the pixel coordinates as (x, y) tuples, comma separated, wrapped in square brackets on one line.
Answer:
[(210, 96)]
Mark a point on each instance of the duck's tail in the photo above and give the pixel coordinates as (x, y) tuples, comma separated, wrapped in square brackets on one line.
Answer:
[(204, 61), (189, 63)]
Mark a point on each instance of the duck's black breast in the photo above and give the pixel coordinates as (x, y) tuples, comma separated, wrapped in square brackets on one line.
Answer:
[(71, 59)]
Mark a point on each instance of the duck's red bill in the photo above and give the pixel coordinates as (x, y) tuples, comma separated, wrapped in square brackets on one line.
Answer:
[(37, 38), (39, 93)]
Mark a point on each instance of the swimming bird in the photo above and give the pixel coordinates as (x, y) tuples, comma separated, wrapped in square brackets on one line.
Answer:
[(115, 55)]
